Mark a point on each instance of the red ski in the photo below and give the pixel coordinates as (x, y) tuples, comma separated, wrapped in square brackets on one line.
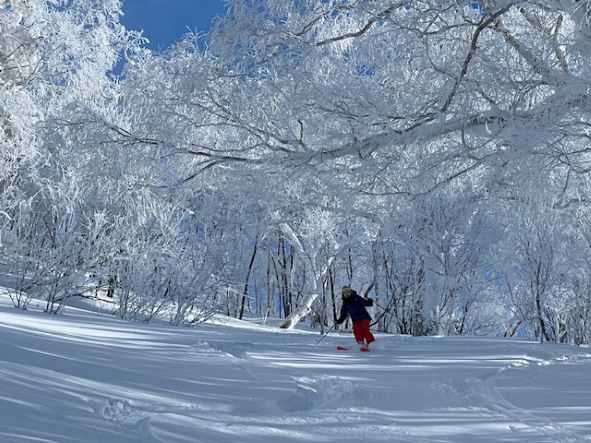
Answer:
[(345, 348)]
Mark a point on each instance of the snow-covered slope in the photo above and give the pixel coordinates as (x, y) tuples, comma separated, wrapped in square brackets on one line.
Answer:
[(86, 377)]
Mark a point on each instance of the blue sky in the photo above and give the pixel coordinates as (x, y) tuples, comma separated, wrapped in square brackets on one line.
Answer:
[(165, 21)]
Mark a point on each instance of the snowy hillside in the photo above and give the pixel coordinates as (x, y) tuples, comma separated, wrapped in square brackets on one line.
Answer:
[(89, 378)]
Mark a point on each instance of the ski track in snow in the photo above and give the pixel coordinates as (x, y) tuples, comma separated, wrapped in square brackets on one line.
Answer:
[(324, 392), (318, 392), (482, 393), (136, 419), (231, 383)]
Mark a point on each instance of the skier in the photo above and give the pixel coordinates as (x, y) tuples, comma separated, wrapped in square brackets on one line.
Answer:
[(354, 306)]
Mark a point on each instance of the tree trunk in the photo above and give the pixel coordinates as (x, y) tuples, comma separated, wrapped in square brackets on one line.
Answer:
[(270, 287), (250, 266), (539, 309), (331, 278)]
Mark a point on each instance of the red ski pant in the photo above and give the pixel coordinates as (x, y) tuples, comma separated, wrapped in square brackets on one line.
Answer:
[(361, 332)]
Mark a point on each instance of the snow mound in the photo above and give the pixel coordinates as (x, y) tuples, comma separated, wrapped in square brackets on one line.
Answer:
[(318, 393), (231, 349), (120, 412), (98, 305)]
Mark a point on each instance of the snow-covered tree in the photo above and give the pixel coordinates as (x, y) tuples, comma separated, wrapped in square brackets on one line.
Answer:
[(409, 148)]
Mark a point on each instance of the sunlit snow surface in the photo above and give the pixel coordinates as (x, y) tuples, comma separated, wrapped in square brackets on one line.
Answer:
[(85, 377)]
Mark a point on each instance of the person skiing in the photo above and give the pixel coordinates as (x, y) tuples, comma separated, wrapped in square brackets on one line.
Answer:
[(354, 306)]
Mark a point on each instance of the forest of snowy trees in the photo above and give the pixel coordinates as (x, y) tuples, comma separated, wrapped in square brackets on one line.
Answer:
[(434, 154)]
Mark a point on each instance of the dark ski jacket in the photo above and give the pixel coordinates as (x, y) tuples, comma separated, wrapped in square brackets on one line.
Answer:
[(355, 307)]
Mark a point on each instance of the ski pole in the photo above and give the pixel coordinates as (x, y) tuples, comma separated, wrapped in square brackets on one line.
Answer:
[(383, 314), (380, 306), (323, 336)]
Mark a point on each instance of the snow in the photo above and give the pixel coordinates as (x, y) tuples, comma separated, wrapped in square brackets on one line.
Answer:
[(88, 377)]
